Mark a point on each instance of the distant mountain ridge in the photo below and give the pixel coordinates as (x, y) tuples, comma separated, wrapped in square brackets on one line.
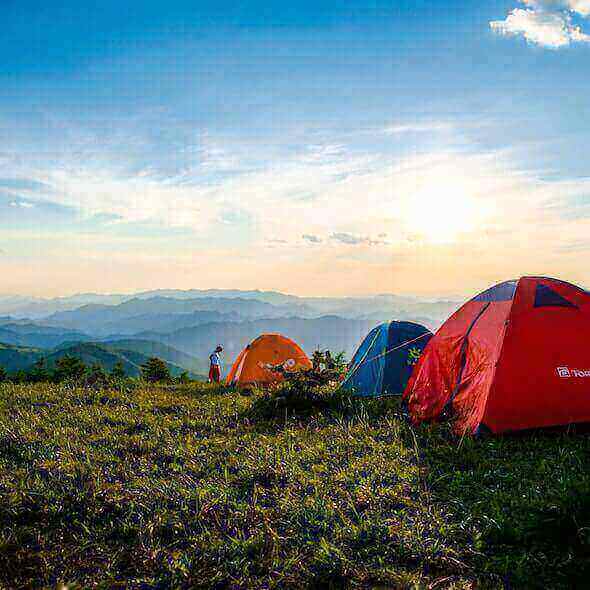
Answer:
[(386, 305), (37, 335)]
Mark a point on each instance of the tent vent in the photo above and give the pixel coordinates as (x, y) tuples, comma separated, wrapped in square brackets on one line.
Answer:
[(546, 297), (502, 292)]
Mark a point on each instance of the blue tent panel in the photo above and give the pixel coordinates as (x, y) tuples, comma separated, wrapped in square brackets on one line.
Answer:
[(384, 361), (365, 376)]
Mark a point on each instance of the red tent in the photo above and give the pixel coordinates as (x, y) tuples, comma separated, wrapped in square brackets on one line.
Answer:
[(516, 356)]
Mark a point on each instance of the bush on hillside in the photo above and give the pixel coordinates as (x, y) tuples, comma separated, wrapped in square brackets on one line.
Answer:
[(20, 377), (3, 375), (39, 373), (97, 377), (326, 370), (156, 370), (184, 378), (118, 371), (307, 390), (69, 369)]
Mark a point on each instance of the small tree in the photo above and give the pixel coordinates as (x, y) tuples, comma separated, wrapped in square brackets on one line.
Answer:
[(118, 371), (20, 376), (3, 375), (156, 370), (96, 377), (69, 368), (39, 372), (184, 378)]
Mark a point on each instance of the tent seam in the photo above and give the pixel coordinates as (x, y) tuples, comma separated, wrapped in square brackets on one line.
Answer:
[(507, 323)]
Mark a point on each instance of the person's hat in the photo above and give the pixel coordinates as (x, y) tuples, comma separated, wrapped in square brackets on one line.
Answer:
[(219, 349)]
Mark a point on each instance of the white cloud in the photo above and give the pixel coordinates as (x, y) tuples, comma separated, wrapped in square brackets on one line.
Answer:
[(426, 127), (581, 7), (324, 152), (358, 240), (547, 23), (312, 238), (348, 238), (22, 204)]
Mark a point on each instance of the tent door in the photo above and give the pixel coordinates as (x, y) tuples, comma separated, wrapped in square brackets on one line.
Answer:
[(463, 356)]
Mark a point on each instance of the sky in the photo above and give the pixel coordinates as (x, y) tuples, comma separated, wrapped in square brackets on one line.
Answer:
[(317, 148)]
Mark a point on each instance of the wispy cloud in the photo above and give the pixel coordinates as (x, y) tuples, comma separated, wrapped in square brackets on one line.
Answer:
[(547, 23), (22, 204), (347, 238), (312, 238), (357, 240), (418, 127), (575, 247), (368, 208), (24, 184)]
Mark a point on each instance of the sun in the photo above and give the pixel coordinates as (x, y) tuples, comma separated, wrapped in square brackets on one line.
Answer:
[(439, 212)]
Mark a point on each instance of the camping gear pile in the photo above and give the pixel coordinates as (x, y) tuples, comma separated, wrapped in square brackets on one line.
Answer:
[(514, 357)]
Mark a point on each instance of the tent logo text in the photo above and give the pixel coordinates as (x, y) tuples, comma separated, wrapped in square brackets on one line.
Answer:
[(289, 364), (566, 372)]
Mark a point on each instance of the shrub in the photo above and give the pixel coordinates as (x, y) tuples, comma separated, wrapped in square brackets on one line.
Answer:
[(97, 377), (39, 373), (184, 378), (3, 375), (156, 370), (306, 391), (20, 377), (326, 370), (69, 368), (118, 371)]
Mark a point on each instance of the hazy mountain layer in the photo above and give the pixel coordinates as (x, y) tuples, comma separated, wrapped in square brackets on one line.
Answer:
[(89, 311), (328, 332)]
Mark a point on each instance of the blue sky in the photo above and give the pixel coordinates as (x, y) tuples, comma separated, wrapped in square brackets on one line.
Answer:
[(325, 147)]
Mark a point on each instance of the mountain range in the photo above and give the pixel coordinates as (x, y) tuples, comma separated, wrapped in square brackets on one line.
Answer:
[(182, 327)]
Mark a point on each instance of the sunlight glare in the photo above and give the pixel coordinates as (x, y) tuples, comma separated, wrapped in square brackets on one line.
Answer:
[(439, 212)]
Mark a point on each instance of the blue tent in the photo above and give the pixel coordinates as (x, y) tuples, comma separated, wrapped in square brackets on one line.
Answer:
[(384, 361)]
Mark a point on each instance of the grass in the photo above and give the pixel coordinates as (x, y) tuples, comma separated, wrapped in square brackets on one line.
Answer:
[(195, 486)]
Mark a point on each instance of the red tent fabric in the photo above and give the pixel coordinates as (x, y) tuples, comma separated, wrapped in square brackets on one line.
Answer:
[(517, 356)]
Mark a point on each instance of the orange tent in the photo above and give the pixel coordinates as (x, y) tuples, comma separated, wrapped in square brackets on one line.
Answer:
[(254, 362)]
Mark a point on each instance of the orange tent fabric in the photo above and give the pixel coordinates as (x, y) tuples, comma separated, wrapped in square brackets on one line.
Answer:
[(253, 364)]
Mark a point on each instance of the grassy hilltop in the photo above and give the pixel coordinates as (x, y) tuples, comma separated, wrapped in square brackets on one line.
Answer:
[(194, 487)]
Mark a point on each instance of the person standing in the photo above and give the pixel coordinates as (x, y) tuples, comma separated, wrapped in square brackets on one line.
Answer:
[(215, 366)]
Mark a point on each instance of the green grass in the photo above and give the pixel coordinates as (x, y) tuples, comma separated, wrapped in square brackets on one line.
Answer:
[(197, 487)]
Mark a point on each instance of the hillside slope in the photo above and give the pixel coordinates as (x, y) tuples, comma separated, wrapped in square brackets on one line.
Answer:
[(167, 353), (14, 358), (91, 353)]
